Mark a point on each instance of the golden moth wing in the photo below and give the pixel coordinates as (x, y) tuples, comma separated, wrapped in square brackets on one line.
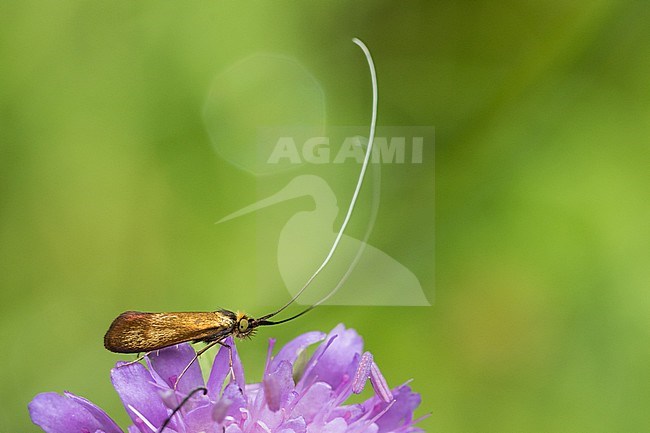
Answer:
[(134, 331)]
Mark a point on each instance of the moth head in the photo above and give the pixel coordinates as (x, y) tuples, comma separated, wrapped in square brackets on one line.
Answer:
[(244, 326)]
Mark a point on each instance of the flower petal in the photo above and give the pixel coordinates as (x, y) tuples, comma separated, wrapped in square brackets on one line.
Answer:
[(168, 363), (337, 360), (233, 428), (136, 388), (219, 372), (296, 425), (293, 348), (278, 385), (200, 420), (235, 401), (337, 425), (401, 411), (219, 410), (237, 367), (110, 426), (55, 413), (312, 401), (363, 427)]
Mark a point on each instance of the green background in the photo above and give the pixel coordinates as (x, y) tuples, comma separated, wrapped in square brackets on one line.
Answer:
[(110, 187)]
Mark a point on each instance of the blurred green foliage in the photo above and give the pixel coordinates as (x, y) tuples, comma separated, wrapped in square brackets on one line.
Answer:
[(110, 188)]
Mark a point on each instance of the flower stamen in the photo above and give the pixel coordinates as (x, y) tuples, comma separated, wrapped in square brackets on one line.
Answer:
[(379, 384), (363, 373)]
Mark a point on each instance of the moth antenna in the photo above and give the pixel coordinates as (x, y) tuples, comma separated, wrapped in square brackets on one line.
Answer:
[(353, 264), (373, 124)]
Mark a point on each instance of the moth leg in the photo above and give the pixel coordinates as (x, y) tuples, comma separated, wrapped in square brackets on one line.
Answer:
[(229, 353), (196, 356), (138, 359), (232, 372)]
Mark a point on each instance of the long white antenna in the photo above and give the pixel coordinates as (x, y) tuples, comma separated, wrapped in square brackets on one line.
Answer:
[(364, 166)]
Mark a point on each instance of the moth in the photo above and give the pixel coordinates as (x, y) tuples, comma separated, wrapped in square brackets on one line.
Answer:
[(139, 332)]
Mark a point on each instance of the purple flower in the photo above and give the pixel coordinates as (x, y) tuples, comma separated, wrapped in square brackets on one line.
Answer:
[(280, 403)]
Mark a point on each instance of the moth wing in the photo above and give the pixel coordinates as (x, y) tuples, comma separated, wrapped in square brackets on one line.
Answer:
[(135, 331)]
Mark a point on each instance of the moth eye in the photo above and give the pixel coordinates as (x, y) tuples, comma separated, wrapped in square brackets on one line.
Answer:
[(243, 325)]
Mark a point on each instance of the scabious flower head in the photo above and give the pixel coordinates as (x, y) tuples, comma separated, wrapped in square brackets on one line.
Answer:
[(280, 403)]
